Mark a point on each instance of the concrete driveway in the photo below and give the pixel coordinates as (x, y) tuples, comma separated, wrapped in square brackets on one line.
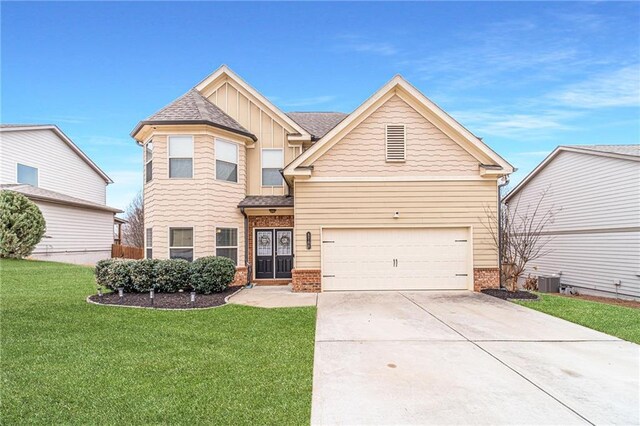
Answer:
[(465, 358)]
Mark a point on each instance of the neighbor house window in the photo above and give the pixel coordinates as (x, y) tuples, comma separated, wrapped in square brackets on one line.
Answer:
[(180, 156), (27, 175), (148, 161), (227, 243), (272, 163), (226, 161), (149, 244), (181, 243)]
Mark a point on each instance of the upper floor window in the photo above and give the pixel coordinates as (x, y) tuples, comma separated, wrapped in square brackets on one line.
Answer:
[(148, 161), (149, 243), (181, 243), (272, 163), (180, 156), (226, 161), (227, 243), (27, 175)]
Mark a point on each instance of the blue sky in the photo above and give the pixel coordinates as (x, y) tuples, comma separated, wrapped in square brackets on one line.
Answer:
[(524, 76)]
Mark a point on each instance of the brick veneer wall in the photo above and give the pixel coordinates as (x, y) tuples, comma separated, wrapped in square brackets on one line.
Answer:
[(306, 280), (241, 276), (486, 278), (266, 222)]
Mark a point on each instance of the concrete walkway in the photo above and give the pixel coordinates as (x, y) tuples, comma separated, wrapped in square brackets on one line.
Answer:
[(465, 358), (277, 296)]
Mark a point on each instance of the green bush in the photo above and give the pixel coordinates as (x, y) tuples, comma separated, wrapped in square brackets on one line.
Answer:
[(212, 274), (172, 275), (143, 274), (101, 270), (119, 275), (22, 225)]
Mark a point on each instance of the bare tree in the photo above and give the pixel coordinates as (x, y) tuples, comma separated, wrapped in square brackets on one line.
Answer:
[(133, 230), (518, 235)]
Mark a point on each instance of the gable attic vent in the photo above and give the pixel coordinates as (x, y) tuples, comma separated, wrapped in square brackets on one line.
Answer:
[(395, 142)]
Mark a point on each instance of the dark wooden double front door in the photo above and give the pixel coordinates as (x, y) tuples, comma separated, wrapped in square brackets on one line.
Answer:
[(273, 253)]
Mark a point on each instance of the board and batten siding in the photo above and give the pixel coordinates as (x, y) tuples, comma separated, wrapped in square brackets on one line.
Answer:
[(202, 203), (595, 236), (429, 152), (60, 169), (270, 130), (437, 203), (74, 234)]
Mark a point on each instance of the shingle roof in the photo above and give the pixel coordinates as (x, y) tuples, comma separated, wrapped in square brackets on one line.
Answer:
[(317, 124), (633, 150), (193, 108), (267, 201), (36, 193), (9, 126)]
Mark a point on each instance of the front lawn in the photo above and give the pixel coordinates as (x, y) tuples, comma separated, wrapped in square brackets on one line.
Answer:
[(617, 321), (63, 360)]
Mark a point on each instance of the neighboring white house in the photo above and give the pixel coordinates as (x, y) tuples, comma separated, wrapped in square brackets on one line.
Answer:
[(595, 237), (42, 163)]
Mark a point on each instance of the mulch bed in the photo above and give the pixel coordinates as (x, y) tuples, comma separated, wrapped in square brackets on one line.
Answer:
[(506, 295), (166, 300)]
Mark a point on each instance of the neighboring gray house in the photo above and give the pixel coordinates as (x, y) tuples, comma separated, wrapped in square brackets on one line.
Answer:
[(42, 163), (595, 237)]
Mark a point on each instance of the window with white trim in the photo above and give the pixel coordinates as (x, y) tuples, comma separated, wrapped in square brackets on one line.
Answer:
[(181, 243), (149, 243), (227, 243), (148, 161), (272, 163), (181, 157), (27, 175), (226, 161), (395, 142)]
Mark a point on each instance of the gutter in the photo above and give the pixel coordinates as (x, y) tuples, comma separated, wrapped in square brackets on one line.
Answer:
[(246, 246), (500, 186)]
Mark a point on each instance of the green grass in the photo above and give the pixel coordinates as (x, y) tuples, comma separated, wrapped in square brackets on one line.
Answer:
[(66, 361), (617, 321)]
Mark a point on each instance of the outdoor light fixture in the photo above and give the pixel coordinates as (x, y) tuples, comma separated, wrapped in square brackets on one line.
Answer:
[(272, 210), (120, 293), (151, 296), (308, 240), (192, 299), (396, 215), (100, 294)]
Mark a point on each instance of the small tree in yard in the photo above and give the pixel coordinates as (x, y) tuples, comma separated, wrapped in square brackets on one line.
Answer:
[(133, 230), (22, 225), (518, 235)]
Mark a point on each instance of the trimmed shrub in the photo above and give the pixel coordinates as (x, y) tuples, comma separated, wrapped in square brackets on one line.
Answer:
[(212, 274), (101, 270), (119, 275), (143, 274), (172, 275), (22, 225)]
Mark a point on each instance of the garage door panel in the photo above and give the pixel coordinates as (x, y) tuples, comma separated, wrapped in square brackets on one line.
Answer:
[(395, 259)]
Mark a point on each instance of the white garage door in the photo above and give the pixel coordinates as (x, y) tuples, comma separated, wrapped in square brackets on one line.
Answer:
[(396, 259)]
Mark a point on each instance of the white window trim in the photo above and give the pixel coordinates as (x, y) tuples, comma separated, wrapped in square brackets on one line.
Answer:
[(261, 167), (169, 246), (146, 160), (215, 159), (386, 146), (169, 157), (27, 165), (235, 247)]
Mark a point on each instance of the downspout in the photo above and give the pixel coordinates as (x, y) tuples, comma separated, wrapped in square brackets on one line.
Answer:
[(246, 246), (500, 186), (285, 181)]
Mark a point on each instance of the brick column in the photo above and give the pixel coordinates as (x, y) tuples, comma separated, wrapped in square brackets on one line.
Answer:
[(306, 280), (486, 278)]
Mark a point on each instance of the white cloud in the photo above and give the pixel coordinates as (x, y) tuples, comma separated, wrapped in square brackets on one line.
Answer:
[(619, 88), (361, 44), (514, 125)]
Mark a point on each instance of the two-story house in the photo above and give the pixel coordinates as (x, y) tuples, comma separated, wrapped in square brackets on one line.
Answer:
[(390, 196), (42, 163)]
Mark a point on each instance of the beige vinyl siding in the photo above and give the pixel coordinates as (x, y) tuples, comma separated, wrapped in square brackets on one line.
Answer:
[(74, 234), (271, 131), (595, 237), (60, 169), (429, 152), (360, 204), (203, 202)]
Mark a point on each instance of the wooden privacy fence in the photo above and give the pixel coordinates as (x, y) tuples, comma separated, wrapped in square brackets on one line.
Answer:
[(127, 252)]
